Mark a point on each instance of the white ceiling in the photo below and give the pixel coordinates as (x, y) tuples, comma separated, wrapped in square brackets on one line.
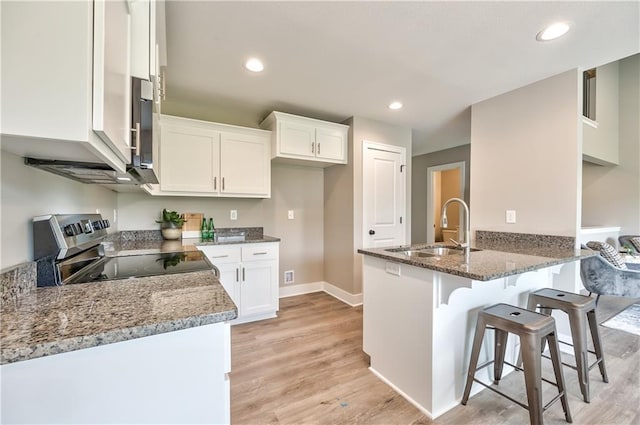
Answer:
[(334, 60)]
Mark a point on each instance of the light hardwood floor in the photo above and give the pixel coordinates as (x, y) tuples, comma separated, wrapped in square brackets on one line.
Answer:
[(307, 367)]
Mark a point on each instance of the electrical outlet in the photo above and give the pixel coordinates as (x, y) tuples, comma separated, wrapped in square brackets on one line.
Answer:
[(290, 215), (233, 215), (288, 276), (511, 216)]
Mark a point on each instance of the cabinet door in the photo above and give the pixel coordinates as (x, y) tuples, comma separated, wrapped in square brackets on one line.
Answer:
[(112, 75), (143, 40), (189, 159), (331, 144), (258, 288), (245, 165), (229, 278), (296, 140)]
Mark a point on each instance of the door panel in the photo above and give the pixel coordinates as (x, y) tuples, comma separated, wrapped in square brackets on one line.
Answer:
[(257, 289), (244, 165), (189, 159), (296, 139), (330, 144), (383, 195)]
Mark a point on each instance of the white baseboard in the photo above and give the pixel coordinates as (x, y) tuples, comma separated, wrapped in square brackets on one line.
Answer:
[(352, 299), (300, 289), (307, 288), (404, 395)]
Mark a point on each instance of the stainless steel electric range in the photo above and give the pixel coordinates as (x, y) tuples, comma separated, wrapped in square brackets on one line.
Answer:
[(68, 249)]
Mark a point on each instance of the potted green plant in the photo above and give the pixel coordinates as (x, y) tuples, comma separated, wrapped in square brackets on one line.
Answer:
[(171, 224)]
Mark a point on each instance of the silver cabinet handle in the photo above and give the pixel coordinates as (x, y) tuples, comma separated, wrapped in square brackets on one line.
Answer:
[(163, 86), (260, 253), (215, 183), (137, 131), (219, 256), (318, 148), (237, 277), (243, 274), (313, 147), (223, 183)]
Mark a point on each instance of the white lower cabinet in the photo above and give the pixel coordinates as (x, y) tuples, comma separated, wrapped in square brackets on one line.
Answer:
[(249, 274), (173, 377)]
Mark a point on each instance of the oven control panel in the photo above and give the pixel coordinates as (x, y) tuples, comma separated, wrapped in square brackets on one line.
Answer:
[(63, 235)]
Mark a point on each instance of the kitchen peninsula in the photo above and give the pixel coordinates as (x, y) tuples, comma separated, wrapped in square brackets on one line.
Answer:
[(420, 311), (133, 350)]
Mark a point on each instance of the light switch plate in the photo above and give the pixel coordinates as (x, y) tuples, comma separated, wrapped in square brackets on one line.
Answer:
[(233, 215), (290, 214), (511, 216)]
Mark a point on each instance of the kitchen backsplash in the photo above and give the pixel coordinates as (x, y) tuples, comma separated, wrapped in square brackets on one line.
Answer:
[(16, 281)]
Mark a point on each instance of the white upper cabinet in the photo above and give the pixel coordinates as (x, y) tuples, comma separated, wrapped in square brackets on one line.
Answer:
[(307, 141), (143, 38), (199, 158), (112, 75), (66, 80)]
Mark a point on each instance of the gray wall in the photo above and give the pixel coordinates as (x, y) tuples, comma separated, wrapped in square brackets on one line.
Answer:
[(293, 188), (600, 145), (344, 235), (611, 194), (27, 192), (526, 155), (419, 203)]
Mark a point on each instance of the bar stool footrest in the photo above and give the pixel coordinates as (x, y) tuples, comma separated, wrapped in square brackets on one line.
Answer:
[(594, 364)]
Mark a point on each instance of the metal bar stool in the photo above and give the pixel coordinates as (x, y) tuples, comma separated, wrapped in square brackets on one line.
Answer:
[(532, 328), (580, 309)]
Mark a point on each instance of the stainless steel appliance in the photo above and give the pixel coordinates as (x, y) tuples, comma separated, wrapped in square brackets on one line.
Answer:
[(68, 249), (139, 171)]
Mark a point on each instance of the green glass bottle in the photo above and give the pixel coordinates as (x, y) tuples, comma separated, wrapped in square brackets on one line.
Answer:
[(204, 234), (211, 229)]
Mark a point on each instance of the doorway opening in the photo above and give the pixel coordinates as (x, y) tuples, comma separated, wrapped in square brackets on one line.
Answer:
[(444, 182)]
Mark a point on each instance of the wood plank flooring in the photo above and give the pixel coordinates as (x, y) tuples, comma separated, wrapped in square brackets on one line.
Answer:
[(307, 367)]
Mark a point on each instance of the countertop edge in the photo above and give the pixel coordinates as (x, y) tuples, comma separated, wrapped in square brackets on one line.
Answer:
[(545, 262), (12, 355)]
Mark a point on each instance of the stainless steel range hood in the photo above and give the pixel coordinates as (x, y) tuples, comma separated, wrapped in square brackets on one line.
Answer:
[(94, 173)]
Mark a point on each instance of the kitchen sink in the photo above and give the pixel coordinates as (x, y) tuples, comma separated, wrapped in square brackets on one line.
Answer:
[(431, 251), (416, 253)]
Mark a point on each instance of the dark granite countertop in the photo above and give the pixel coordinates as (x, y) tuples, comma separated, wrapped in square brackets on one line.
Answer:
[(51, 320), (495, 260), (54, 320)]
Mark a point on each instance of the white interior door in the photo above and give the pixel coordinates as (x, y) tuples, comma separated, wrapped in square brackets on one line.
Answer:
[(383, 183)]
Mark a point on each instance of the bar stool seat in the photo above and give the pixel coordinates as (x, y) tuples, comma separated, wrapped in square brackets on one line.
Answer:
[(580, 309), (532, 328)]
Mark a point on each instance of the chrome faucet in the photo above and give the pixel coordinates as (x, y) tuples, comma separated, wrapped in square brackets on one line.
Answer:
[(466, 245)]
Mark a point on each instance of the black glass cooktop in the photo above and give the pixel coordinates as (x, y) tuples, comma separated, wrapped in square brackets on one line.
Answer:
[(142, 265)]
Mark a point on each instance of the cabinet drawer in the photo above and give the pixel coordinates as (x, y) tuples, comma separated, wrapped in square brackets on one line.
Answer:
[(221, 254), (259, 252)]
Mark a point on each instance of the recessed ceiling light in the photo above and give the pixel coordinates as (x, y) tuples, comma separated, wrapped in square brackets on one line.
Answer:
[(395, 105), (254, 65), (124, 179), (553, 31)]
